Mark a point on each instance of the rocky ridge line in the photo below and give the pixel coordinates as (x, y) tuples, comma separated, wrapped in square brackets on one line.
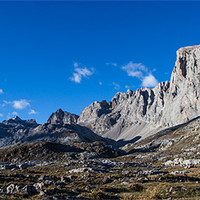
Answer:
[(142, 113)]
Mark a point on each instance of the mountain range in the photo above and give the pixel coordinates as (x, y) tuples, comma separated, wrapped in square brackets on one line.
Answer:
[(128, 116)]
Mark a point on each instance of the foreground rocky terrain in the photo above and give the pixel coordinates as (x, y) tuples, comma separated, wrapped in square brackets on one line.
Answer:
[(140, 145), (163, 166)]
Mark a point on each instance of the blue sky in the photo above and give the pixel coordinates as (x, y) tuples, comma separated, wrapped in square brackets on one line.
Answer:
[(68, 54)]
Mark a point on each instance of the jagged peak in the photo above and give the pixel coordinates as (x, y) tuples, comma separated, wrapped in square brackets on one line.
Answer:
[(162, 86), (129, 92), (59, 111), (62, 117), (16, 118), (100, 102)]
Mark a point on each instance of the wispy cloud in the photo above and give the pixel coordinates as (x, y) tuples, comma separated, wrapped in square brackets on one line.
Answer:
[(116, 85), (127, 86), (149, 81), (10, 115), (1, 115), (100, 83), (79, 73), (15, 113), (112, 64), (32, 112), (17, 104), (5, 103), (21, 104), (135, 69), (76, 64), (1, 91), (141, 72)]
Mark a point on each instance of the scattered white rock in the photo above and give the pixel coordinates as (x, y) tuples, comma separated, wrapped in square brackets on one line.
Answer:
[(182, 163), (80, 170)]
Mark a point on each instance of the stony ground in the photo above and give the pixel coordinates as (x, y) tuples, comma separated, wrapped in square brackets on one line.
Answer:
[(98, 179), (165, 166)]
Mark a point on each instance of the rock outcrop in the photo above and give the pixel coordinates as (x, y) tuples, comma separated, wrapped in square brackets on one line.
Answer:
[(142, 113), (62, 117)]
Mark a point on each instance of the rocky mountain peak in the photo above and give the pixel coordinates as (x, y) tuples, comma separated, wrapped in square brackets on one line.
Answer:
[(129, 92), (62, 117), (16, 118), (17, 121)]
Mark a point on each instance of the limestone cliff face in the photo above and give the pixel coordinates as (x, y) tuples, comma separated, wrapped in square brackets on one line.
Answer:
[(145, 111), (183, 103)]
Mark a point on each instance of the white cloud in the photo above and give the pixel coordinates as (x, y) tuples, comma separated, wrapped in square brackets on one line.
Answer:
[(76, 78), (32, 112), (14, 113), (100, 83), (112, 64), (17, 104), (1, 115), (1, 91), (117, 86), (76, 64), (80, 73), (6, 103), (135, 69), (141, 72), (149, 81), (20, 104), (127, 86), (83, 71)]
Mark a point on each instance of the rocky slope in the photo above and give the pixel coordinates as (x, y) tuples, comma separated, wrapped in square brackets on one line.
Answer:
[(177, 146), (146, 111)]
